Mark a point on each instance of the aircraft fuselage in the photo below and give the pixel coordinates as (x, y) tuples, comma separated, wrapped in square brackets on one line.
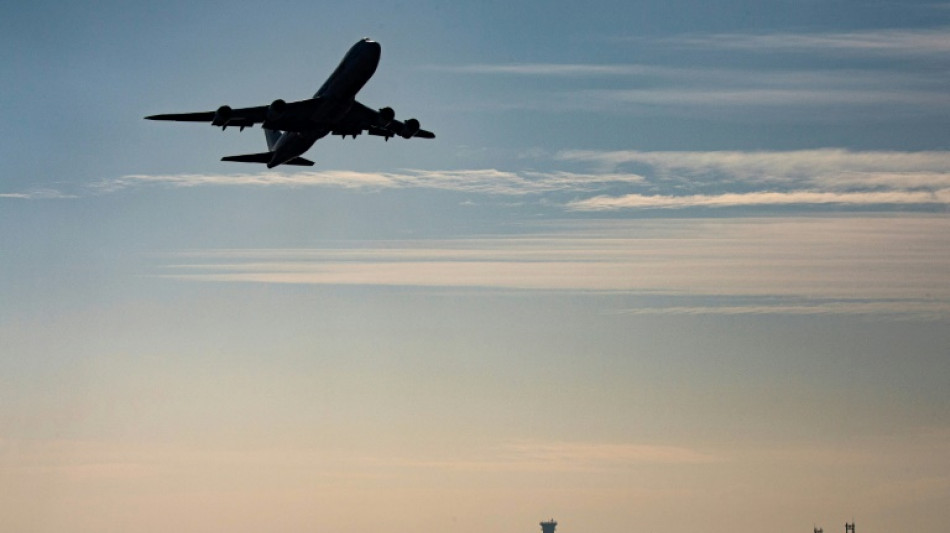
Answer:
[(336, 95)]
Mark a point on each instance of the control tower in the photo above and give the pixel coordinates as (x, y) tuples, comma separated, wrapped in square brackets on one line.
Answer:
[(548, 527)]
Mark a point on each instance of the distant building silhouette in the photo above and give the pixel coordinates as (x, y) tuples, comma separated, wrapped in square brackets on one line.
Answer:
[(849, 528), (548, 527)]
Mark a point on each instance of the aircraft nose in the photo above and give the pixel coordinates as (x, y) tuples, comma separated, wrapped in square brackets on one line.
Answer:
[(371, 45)]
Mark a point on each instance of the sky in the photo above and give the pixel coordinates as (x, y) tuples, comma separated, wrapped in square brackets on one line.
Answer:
[(676, 266)]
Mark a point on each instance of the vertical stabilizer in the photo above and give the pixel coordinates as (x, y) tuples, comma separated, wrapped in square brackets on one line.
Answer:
[(272, 137)]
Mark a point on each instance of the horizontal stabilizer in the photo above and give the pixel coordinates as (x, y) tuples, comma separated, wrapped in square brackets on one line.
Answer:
[(300, 162), (265, 157)]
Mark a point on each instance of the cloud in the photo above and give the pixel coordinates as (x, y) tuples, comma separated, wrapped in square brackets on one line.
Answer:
[(918, 309), (551, 69), (705, 75), (604, 454), (862, 264), (726, 91), (531, 456), (633, 201), (907, 180), (344, 179), (794, 163), (482, 181), (92, 462), (830, 177), (745, 96), (38, 194), (891, 42), (828, 167), (815, 177), (748, 90)]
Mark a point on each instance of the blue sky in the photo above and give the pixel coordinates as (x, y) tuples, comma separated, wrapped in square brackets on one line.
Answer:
[(670, 266)]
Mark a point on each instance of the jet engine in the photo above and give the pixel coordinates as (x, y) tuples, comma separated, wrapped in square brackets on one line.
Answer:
[(222, 116), (386, 115), (410, 128), (276, 110)]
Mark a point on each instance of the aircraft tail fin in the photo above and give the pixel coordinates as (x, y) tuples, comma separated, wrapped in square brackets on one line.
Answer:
[(265, 157), (272, 137)]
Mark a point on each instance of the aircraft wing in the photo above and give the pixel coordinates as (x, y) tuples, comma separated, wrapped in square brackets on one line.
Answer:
[(223, 117), (361, 118), (400, 126), (203, 116), (279, 115), (302, 116)]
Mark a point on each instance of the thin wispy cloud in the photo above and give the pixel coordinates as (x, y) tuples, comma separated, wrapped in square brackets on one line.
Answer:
[(707, 75), (82, 461), (482, 181), (846, 265), (907, 180), (604, 454), (343, 179), (803, 177), (641, 201), (529, 456), (646, 180), (38, 194), (919, 309), (894, 42), (551, 69), (785, 163), (716, 89), (799, 96)]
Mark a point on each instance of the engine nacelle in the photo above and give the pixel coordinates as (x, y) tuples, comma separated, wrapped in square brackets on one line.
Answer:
[(222, 116), (386, 115), (276, 110), (410, 128)]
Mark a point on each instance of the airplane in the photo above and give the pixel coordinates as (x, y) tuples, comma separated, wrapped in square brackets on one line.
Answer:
[(291, 128)]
